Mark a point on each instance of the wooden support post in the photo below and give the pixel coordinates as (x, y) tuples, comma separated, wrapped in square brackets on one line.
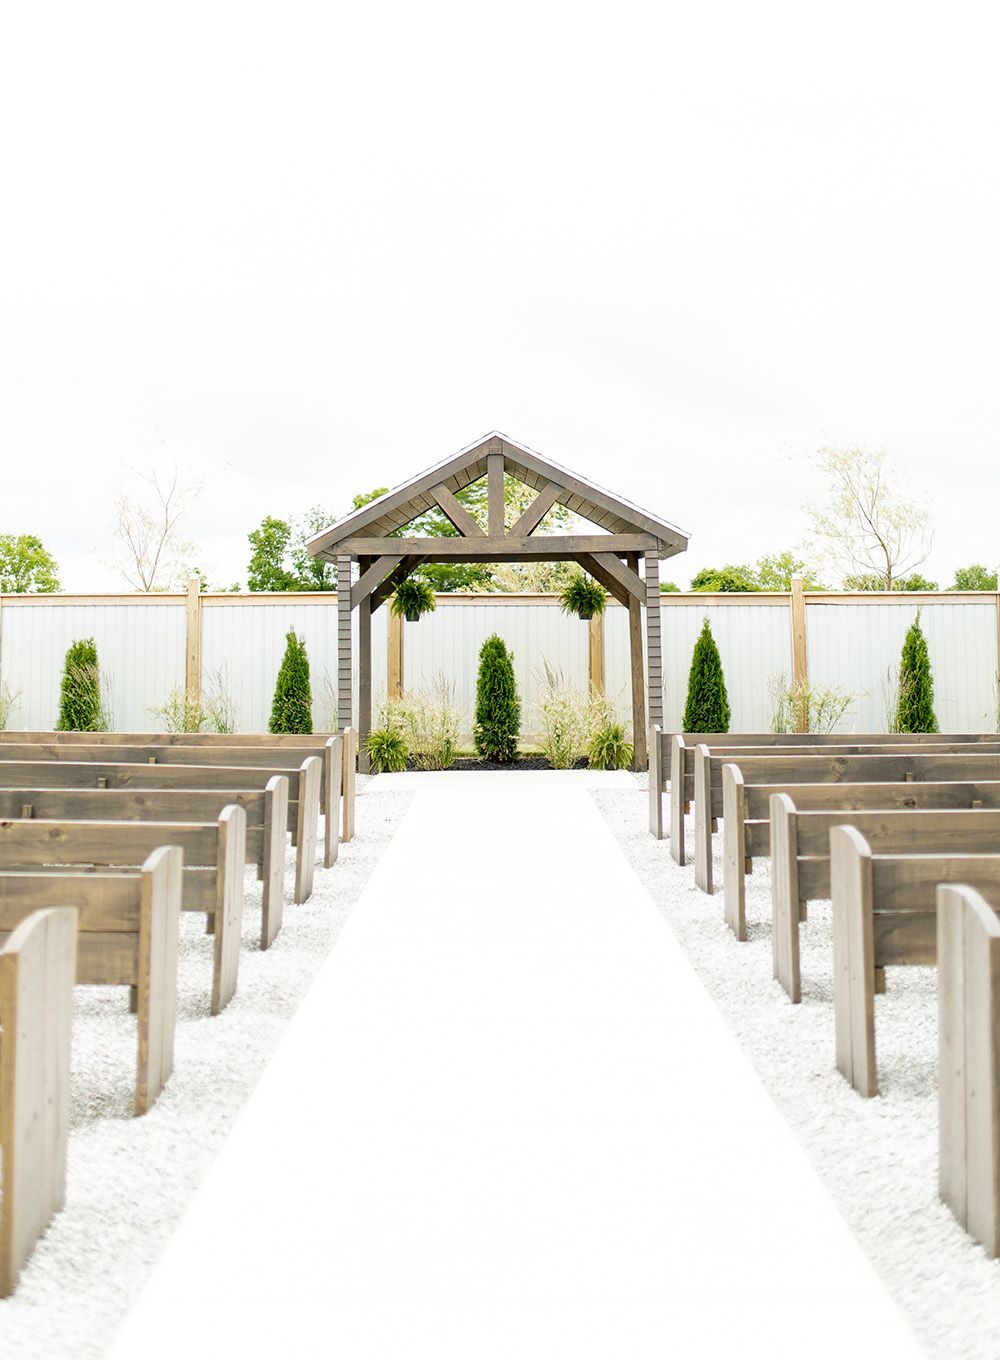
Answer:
[(800, 657), (637, 676), (595, 653), (192, 649), (654, 658), (394, 683), (494, 489), (364, 683), (345, 661)]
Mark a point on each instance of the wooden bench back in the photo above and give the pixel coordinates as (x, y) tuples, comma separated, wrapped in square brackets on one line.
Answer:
[(37, 969)]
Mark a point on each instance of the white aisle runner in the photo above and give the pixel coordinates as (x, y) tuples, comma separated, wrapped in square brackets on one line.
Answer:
[(508, 1122)]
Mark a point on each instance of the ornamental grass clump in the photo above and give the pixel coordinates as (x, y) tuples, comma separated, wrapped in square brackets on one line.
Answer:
[(915, 704), (581, 595), (429, 721), (498, 708), (81, 707), (291, 710), (563, 712), (707, 708)]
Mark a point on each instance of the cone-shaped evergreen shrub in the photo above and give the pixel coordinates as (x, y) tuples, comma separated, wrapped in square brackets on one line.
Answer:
[(707, 707), (498, 709), (292, 707), (80, 706), (915, 706)]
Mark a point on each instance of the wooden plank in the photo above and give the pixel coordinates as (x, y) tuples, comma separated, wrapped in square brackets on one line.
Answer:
[(333, 790), (192, 638), (394, 663), (345, 671), (734, 896), (595, 653), (853, 959), (784, 895), (536, 511), (496, 509), (156, 981), (364, 686), (627, 577), (637, 683), (37, 967), (229, 905), (309, 804), (350, 747), (500, 548), (677, 799), (457, 513), (603, 577), (30, 843), (372, 577), (952, 1008), (655, 782), (276, 796), (800, 654), (654, 647), (702, 820), (388, 586)]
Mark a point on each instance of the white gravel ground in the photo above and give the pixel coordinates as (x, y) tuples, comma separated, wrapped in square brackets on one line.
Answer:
[(877, 1157), (130, 1179)]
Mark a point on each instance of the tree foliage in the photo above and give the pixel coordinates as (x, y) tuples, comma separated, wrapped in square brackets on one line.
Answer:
[(279, 558), (291, 710), (872, 582), (779, 570), (707, 708), (498, 708), (731, 578), (81, 708), (915, 705), (865, 525), (26, 566), (976, 577)]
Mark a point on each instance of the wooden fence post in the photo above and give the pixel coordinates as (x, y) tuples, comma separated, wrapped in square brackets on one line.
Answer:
[(192, 650), (394, 662), (800, 656), (595, 653)]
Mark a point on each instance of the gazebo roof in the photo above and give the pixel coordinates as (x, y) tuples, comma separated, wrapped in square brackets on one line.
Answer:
[(607, 511)]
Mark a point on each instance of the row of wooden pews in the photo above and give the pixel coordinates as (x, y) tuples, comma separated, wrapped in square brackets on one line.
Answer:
[(105, 838), (902, 835)]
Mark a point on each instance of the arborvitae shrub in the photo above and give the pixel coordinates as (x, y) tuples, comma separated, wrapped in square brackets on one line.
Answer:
[(498, 709), (80, 706), (292, 707), (707, 707), (915, 706)]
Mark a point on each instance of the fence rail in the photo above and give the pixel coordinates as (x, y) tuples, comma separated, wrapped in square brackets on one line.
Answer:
[(151, 645)]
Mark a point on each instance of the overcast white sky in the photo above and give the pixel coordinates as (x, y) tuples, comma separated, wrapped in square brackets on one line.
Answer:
[(309, 249)]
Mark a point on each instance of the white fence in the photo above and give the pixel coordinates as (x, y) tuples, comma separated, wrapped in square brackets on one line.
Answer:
[(152, 645)]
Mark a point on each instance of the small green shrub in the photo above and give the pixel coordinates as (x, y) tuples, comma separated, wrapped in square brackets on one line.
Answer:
[(81, 707), (915, 704), (609, 750), (412, 598), (707, 708), (583, 596), (291, 710), (429, 722), (498, 708), (386, 750)]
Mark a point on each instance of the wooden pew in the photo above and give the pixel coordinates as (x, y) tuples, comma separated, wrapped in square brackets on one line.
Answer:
[(343, 748), (884, 915), (746, 819), (266, 819), (212, 876), (675, 761), (968, 954), (303, 792), (128, 926), (275, 759), (37, 968), (809, 766), (800, 857)]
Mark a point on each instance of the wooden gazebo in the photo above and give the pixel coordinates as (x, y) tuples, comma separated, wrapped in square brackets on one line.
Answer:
[(624, 537)]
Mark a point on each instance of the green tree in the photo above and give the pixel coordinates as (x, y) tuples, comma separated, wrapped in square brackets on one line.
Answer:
[(729, 578), (707, 708), (279, 558), (26, 566), (915, 706), (80, 705), (778, 571), (976, 577), (870, 581), (498, 708), (291, 710), (669, 588)]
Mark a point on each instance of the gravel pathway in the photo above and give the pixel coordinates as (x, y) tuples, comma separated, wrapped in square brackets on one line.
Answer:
[(130, 1179), (877, 1157)]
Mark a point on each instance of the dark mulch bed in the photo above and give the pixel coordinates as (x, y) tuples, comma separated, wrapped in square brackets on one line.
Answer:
[(521, 763)]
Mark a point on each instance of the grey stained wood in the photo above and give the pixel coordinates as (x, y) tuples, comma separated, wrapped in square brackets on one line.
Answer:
[(457, 513), (536, 511), (345, 666), (305, 863), (37, 971), (968, 948), (655, 798), (627, 577), (349, 749), (654, 643), (373, 576), (496, 509), (504, 548), (591, 563), (364, 685), (637, 683)]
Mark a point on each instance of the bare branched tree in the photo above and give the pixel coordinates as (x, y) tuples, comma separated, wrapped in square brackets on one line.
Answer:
[(150, 550), (866, 526)]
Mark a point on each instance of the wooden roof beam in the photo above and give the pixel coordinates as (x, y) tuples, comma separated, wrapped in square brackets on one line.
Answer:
[(374, 576), (536, 511), (544, 548), (457, 513), (610, 583), (382, 592)]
